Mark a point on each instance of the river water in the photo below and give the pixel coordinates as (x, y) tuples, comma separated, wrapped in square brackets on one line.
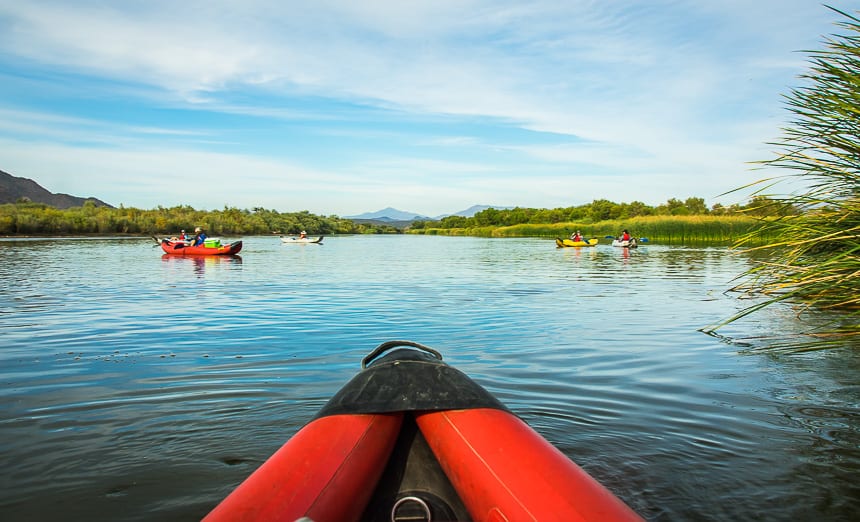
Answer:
[(143, 387)]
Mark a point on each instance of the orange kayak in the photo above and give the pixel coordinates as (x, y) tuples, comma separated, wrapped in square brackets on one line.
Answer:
[(179, 248), (411, 438)]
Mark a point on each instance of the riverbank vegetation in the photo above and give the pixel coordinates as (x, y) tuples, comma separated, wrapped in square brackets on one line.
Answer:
[(813, 257), (26, 218), (679, 222), (671, 230), (675, 222)]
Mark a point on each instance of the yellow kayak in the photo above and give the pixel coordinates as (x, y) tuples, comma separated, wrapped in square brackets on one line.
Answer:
[(571, 243)]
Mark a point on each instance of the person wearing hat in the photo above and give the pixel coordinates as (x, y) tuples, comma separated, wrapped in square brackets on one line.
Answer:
[(199, 238), (303, 235)]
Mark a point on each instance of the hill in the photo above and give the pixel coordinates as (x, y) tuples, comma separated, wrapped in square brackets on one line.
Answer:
[(393, 215), (474, 209), (388, 214), (13, 189)]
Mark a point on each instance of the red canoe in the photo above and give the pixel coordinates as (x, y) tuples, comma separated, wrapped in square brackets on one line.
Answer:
[(411, 438), (179, 248)]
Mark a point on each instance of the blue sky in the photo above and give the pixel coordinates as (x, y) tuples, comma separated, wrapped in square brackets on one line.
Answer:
[(343, 107)]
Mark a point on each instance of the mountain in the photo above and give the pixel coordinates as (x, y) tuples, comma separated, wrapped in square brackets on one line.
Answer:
[(389, 214), (13, 189), (392, 214), (474, 209)]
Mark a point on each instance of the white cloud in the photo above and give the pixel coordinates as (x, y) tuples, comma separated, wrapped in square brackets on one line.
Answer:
[(671, 98)]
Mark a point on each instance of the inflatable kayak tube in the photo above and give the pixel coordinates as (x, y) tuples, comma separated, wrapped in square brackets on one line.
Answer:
[(411, 438), (180, 248), (561, 243), (625, 244), (301, 240)]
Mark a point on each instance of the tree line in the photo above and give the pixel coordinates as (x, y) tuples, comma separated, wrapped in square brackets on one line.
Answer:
[(604, 210), (27, 218)]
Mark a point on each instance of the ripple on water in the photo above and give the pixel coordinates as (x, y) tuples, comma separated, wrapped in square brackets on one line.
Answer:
[(148, 387)]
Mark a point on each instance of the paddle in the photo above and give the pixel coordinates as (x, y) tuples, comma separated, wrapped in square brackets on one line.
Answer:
[(158, 242)]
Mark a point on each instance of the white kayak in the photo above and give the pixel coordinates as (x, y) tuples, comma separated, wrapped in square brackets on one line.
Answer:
[(626, 244), (301, 240)]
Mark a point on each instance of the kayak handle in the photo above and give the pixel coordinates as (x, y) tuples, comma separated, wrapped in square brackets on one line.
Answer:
[(387, 345), (423, 505)]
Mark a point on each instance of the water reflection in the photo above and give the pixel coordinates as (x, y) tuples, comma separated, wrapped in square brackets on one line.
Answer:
[(579, 253), (199, 264)]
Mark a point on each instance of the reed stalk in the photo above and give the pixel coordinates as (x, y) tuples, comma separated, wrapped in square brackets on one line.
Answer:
[(813, 259)]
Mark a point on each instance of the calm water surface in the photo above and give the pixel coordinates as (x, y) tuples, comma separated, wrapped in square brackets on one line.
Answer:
[(142, 387)]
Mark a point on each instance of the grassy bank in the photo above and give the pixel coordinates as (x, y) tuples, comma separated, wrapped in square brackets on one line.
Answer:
[(672, 230)]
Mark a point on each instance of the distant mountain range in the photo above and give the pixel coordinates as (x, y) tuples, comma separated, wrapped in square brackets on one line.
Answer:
[(392, 214), (389, 214), (14, 189)]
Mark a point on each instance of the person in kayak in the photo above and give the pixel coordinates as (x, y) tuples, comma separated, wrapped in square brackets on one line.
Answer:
[(180, 237), (303, 235), (199, 238), (625, 236), (576, 236)]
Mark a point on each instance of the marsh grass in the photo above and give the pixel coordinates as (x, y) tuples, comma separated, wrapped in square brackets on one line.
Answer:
[(813, 260), (673, 230)]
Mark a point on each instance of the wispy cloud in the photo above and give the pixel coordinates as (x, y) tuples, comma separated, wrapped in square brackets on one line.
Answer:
[(669, 98)]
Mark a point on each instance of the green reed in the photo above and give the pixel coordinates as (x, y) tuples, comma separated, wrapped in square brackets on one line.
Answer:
[(813, 259), (673, 230)]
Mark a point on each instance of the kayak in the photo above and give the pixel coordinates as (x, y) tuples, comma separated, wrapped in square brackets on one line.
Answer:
[(301, 240), (571, 243), (180, 248), (631, 243), (411, 438)]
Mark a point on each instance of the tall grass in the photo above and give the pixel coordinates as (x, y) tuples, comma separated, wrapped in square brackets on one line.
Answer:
[(814, 257), (674, 230), (687, 230)]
